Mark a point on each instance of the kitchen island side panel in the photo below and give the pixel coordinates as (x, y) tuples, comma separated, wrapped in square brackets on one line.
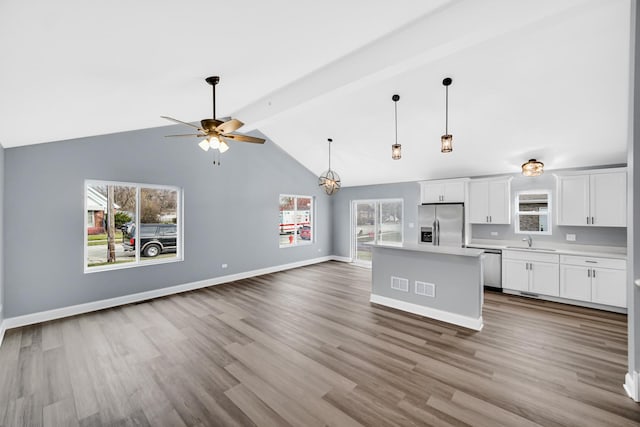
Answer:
[(457, 279)]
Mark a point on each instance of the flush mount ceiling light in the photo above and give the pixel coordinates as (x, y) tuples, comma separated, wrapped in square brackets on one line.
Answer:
[(214, 131), (532, 168), (446, 139), (329, 180), (396, 149)]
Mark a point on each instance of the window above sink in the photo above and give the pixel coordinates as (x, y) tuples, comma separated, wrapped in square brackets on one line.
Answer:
[(533, 212)]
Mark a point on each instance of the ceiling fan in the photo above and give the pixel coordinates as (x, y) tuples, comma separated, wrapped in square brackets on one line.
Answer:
[(215, 132)]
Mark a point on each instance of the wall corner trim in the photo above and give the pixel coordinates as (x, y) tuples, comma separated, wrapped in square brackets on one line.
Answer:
[(632, 385), (432, 313), (58, 313)]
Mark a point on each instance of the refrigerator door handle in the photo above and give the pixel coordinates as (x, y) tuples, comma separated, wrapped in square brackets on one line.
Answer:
[(438, 235), (435, 232)]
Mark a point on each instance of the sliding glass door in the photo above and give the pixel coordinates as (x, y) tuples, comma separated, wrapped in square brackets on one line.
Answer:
[(377, 221)]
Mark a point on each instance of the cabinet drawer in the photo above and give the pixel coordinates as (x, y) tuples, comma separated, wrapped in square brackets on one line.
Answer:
[(530, 256), (618, 264)]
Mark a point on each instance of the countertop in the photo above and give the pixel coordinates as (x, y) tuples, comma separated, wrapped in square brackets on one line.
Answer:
[(418, 247), (613, 252)]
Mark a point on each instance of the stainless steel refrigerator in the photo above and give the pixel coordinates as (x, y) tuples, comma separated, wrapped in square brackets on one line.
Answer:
[(442, 224)]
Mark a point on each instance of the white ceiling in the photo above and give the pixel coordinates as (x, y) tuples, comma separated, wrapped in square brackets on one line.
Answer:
[(547, 79)]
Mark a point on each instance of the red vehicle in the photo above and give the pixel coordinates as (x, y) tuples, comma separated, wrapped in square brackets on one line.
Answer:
[(305, 232)]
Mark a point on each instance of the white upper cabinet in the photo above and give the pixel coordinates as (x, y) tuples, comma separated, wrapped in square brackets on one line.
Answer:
[(598, 198), (490, 201), (443, 191)]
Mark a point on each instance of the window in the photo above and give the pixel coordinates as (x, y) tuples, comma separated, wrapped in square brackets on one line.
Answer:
[(296, 220), (533, 212), (131, 224)]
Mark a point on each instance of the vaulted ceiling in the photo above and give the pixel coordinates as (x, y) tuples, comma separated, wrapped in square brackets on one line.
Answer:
[(547, 79)]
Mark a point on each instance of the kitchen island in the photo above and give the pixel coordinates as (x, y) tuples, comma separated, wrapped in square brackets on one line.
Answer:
[(439, 282)]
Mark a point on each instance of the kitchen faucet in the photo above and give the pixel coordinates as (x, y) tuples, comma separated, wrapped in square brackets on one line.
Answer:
[(529, 240)]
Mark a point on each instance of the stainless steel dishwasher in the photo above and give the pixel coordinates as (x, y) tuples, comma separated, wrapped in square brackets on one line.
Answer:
[(492, 267)]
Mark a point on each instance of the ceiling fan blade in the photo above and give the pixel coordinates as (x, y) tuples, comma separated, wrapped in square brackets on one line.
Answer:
[(230, 126), (187, 134), (180, 121), (244, 138)]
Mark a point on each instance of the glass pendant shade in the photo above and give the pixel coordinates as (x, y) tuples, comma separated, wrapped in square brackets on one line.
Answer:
[(204, 144), (223, 146), (396, 151), (532, 168), (214, 142), (329, 181), (447, 143)]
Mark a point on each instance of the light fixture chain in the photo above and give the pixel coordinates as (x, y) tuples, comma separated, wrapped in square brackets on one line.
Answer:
[(395, 104), (446, 114)]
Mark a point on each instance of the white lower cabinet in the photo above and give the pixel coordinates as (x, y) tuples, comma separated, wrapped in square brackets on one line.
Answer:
[(591, 279), (530, 272)]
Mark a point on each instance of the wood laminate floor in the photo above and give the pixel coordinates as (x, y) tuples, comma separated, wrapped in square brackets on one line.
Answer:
[(305, 348)]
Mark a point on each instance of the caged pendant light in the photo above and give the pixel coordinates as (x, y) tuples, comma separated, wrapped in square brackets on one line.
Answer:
[(396, 149), (446, 139), (329, 180)]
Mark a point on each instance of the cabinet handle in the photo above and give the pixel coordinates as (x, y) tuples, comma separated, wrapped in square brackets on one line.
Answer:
[(587, 220), (593, 221), (593, 273), (588, 272), (591, 262), (490, 218)]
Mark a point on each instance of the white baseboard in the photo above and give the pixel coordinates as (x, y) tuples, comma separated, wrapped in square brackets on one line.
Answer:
[(432, 313), (341, 258), (58, 313), (632, 385)]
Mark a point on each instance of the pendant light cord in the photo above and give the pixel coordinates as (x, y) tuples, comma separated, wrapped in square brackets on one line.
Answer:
[(395, 104), (330, 140), (446, 114)]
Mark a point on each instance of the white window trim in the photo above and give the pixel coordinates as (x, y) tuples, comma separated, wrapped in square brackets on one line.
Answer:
[(352, 239), (179, 223), (298, 241), (548, 213)]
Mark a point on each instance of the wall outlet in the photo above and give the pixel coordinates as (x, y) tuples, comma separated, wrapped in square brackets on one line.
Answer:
[(494, 233), (224, 266), (411, 225), (571, 237)]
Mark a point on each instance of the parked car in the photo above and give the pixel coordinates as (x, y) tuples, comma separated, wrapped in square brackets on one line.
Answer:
[(305, 232), (154, 239)]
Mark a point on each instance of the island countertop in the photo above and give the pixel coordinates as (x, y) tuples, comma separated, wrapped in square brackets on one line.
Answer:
[(421, 247)]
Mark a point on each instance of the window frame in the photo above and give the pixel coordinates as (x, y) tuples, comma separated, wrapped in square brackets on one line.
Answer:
[(137, 262), (297, 241), (548, 214)]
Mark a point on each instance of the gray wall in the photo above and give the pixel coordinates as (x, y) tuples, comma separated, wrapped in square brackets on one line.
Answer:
[(408, 191), (230, 214), (1, 233), (633, 246), (606, 236)]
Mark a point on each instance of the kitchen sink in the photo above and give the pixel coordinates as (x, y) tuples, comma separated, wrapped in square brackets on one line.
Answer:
[(531, 249)]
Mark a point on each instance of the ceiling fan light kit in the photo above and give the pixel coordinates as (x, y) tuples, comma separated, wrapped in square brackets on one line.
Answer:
[(532, 168), (216, 132), (396, 149), (446, 140), (329, 180)]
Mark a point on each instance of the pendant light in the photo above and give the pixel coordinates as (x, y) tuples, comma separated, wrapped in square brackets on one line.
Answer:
[(396, 149), (446, 139), (329, 180), (532, 168)]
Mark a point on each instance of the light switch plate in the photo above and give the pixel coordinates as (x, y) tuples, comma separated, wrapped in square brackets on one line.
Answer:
[(571, 237), (494, 233)]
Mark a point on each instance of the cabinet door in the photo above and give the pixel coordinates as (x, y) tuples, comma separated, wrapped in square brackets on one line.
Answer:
[(515, 274), (453, 191), (499, 202), (431, 192), (609, 199), (575, 282), (544, 278), (478, 202), (573, 200), (608, 287)]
